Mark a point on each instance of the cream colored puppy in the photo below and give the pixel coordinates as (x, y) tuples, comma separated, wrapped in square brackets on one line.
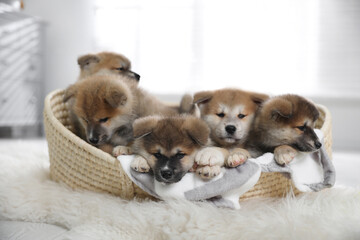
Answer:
[(229, 114), (106, 63)]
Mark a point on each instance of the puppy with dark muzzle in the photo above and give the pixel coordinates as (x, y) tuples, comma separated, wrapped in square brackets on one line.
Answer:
[(106, 63), (229, 114), (284, 125), (168, 145)]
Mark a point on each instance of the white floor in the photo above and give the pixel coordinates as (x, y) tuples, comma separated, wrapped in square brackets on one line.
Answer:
[(347, 165)]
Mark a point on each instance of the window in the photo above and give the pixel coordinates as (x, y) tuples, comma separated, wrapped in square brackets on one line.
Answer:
[(276, 46)]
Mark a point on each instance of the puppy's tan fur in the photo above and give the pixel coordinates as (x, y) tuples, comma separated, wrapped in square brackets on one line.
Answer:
[(284, 125), (168, 145), (106, 63), (116, 99), (229, 114)]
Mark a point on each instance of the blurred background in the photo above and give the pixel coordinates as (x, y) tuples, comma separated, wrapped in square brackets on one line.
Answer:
[(308, 47)]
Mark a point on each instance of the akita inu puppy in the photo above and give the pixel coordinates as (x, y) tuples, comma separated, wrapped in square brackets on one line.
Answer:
[(284, 125), (106, 106), (106, 63), (168, 145), (100, 64), (229, 114)]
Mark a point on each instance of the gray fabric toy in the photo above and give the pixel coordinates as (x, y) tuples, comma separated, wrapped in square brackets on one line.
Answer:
[(308, 171)]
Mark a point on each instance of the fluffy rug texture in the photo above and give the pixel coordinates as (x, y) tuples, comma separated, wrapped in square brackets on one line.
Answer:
[(28, 194)]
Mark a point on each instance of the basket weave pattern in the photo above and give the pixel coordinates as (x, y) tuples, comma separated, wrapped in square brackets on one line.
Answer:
[(80, 165)]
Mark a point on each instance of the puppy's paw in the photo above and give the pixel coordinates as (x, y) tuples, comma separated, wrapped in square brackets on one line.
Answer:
[(210, 156), (140, 164), (121, 150), (208, 172), (235, 159), (284, 154)]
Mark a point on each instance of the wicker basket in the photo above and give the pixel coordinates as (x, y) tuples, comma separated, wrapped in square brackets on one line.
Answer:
[(80, 165)]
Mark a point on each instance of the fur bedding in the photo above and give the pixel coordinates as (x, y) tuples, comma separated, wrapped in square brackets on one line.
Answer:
[(28, 194)]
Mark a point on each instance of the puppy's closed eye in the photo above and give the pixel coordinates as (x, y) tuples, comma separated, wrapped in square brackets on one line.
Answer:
[(180, 155), (103, 120), (301, 128), (158, 155)]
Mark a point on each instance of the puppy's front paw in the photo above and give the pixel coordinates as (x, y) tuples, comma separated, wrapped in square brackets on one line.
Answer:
[(284, 154), (209, 156), (208, 172), (140, 164), (121, 150), (237, 157)]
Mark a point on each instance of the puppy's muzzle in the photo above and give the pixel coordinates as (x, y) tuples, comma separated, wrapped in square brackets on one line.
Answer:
[(134, 75), (94, 140), (167, 174), (230, 129), (95, 134), (317, 144)]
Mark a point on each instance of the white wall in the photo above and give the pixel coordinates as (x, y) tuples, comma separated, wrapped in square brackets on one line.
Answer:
[(69, 32), (345, 115)]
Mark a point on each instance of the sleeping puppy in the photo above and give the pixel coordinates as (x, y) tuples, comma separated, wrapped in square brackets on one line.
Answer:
[(229, 114), (106, 106), (284, 125), (106, 63), (168, 145)]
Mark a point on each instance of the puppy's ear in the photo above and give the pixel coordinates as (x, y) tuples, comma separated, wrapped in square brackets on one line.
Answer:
[(259, 98), (203, 97), (144, 126), (116, 97), (197, 130), (282, 108), (86, 60), (186, 104), (70, 92)]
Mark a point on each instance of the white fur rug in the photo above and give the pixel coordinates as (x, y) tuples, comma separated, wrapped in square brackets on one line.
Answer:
[(27, 194)]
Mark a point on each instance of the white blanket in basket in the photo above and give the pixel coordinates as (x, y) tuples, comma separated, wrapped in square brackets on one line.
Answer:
[(308, 172)]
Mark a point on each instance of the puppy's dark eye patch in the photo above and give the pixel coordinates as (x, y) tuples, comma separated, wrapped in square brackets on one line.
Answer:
[(221, 115), (103, 120), (85, 120), (241, 116), (120, 69)]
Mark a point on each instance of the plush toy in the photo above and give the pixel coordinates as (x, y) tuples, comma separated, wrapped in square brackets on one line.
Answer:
[(308, 171)]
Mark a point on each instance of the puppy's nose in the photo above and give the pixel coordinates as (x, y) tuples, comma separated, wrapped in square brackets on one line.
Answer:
[(318, 144), (137, 76), (166, 174), (94, 140), (230, 129)]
